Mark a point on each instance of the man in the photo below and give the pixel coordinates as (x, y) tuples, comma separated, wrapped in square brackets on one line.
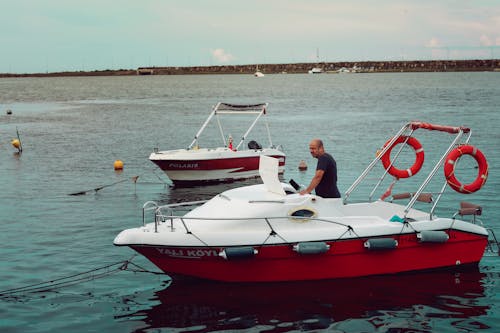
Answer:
[(324, 181)]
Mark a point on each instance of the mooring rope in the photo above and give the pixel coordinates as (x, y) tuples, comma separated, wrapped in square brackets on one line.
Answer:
[(73, 279), (134, 179)]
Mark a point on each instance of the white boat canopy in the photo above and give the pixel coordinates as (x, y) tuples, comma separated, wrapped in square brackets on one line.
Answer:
[(234, 109)]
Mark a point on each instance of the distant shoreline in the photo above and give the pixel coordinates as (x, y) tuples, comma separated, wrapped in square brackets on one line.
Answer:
[(489, 65)]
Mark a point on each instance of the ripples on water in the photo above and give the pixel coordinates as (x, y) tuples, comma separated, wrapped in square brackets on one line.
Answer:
[(73, 129)]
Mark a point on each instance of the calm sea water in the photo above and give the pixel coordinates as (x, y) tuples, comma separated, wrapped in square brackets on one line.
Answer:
[(73, 129)]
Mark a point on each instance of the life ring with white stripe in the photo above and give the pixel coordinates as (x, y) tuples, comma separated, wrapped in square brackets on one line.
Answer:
[(419, 158), (451, 161)]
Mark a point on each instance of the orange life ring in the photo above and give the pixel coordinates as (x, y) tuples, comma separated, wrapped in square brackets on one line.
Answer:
[(449, 169), (419, 158)]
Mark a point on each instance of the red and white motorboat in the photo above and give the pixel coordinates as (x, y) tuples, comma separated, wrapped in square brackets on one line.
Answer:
[(196, 165), (269, 232)]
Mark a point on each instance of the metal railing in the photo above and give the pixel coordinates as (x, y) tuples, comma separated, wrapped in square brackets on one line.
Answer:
[(166, 213), (408, 130)]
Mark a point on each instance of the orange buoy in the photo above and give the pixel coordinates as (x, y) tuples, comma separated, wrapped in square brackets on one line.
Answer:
[(302, 165), (16, 143), (118, 165)]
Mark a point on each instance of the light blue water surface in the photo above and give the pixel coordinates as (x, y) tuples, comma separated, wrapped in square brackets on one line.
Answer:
[(73, 129)]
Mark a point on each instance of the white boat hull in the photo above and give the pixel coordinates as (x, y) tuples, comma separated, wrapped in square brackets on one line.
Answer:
[(184, 166)]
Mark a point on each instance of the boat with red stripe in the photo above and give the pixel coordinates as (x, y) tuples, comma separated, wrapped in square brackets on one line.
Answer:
[(269, 232), (228, 162)]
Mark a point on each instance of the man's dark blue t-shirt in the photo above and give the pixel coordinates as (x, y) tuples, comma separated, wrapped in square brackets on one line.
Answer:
[(327, 188)]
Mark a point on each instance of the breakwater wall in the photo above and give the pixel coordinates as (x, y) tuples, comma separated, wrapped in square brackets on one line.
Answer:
[(328, 67), (360, 66)]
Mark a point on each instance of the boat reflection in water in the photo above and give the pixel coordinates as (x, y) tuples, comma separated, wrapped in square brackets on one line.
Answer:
[(420, 301)]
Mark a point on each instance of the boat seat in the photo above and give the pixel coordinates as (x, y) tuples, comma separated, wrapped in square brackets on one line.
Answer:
[(467, 208), (423, 197)]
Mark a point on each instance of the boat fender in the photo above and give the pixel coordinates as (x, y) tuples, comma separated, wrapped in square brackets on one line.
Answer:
[(432, 236), (241, 252), (381, 243), (311, 247), (419, 158), (451, 161)]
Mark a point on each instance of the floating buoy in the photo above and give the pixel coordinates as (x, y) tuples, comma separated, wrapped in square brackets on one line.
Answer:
[(118, 165), (16, 143), (302, 165), (9, 111)]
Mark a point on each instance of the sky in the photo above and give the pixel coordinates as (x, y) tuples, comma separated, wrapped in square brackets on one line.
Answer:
[(39, 36)]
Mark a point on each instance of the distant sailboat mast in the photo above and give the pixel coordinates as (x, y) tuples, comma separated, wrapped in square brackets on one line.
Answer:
[(317, 69), (257, 72)]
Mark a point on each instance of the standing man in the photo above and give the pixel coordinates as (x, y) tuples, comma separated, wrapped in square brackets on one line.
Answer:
[(325, 179)]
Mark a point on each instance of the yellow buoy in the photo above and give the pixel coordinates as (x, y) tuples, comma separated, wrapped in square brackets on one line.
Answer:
[(118, 165), (16, 143)]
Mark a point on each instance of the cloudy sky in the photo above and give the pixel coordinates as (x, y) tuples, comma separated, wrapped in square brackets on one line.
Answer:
[(68, 35)]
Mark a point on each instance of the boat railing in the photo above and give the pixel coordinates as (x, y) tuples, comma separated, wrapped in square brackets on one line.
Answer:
[(160, 216), (493, 246), (408, 130), (169, 213)]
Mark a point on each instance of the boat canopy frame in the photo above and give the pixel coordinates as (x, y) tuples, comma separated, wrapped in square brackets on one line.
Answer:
[(259, 109), (408, 130)]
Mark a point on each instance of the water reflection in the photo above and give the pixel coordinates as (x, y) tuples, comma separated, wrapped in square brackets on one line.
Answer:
[(418, 301)]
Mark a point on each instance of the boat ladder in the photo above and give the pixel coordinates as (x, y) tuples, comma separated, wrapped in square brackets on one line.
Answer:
[(467, 208)]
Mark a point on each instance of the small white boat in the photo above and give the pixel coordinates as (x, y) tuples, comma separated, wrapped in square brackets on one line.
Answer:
[(353, 69), (258, 73), (316, 70), (269, 232), (196, 165)]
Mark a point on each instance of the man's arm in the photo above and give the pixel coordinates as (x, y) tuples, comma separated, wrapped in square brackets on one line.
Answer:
[(314, 182)]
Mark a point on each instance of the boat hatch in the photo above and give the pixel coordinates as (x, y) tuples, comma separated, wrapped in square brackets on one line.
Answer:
[(303, 213)]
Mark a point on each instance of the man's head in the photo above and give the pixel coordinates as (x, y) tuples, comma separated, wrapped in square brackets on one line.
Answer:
[(316, 148)]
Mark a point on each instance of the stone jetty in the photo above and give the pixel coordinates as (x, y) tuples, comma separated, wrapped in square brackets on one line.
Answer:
[(327, 67), (334, 67)]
